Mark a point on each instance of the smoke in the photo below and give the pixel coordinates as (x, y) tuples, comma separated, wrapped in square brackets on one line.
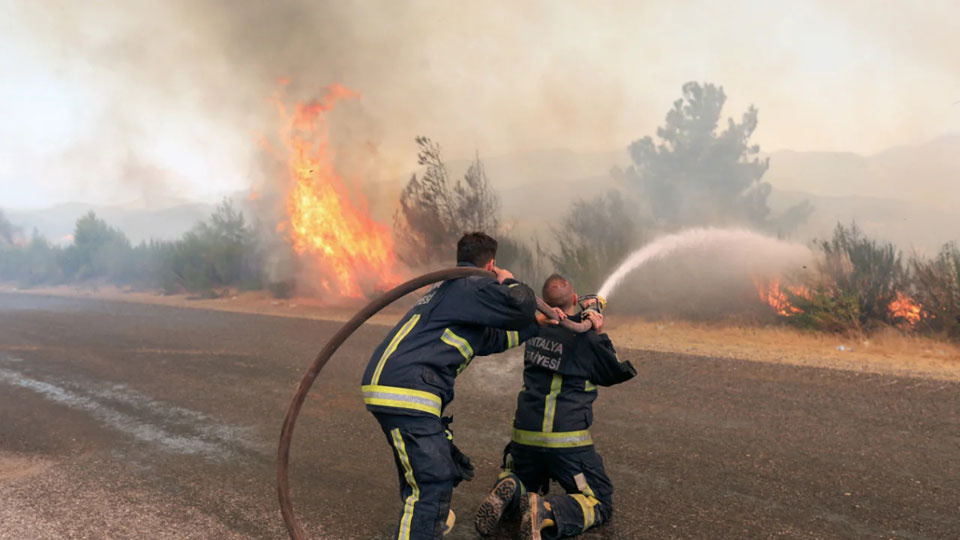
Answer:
[(160, 100), (156, 82)]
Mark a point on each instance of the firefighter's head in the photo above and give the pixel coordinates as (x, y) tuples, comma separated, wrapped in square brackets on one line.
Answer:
[(478, 249), (558, 292)]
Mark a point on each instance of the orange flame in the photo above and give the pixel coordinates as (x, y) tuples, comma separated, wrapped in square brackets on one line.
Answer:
[(777, 299), (906, 308), (329, 224)]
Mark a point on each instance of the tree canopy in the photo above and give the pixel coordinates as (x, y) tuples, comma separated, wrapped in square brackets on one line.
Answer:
[(695, 174)]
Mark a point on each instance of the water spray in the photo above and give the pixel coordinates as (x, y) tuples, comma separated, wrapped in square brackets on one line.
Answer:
[(348, 328), (684, 240)]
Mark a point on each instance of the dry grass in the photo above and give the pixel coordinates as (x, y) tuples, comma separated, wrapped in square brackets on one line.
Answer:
[(885, 352)]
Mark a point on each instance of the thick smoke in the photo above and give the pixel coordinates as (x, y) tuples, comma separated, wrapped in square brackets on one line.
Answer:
[(168, 78)]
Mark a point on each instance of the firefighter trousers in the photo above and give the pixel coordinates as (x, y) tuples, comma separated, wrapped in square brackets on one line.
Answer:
[(426, 471), (588, 501)]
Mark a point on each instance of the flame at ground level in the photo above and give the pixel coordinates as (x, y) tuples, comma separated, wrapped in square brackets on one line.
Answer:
[(772, 294), (906, 308), (327, 224), (903, 307)]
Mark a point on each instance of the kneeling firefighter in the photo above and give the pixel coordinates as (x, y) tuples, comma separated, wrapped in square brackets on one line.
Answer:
[(550, 439), (409, 380)]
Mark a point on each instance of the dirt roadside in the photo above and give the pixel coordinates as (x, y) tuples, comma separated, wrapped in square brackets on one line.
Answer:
[(889, 352)]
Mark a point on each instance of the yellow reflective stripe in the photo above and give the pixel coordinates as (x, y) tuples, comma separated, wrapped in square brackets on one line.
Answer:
[(411, 500), (556, 439), (461, 345), (550, 405), (586, 504), (589, 387), (397, 338), (513, 338), (401, 398), (512, 285)]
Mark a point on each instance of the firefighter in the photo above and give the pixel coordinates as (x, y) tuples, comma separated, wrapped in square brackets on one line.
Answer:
[(550, 439), (409, 380)]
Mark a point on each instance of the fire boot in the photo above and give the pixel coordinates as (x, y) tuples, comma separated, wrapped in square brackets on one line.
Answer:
[(537, 516), (448, 524), (497, 502)]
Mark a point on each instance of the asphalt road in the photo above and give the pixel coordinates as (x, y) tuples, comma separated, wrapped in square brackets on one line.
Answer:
[(123, 420)]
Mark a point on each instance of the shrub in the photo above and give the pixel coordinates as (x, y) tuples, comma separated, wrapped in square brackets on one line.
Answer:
[(594, 236), (936, 284), (218, 253), (858, 280)]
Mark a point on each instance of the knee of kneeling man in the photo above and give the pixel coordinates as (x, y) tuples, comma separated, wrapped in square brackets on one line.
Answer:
[(605, 510)]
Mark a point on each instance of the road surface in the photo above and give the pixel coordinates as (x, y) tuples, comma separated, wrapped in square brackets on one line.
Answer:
[(122, 420)]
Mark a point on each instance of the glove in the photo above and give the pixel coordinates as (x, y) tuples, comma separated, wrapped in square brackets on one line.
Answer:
[(464, 465), (461, 460)]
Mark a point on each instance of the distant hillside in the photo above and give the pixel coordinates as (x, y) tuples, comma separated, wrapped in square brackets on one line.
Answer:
[(927, 172), (57, 222), (911, 225)]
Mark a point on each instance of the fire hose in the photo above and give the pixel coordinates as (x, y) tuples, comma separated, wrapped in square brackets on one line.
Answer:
[(348, 328)]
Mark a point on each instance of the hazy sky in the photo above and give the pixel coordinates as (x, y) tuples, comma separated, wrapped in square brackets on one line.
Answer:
[(122, 101)]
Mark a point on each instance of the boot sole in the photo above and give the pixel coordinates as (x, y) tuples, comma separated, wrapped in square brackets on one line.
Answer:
[(491, 509), (528, 530)]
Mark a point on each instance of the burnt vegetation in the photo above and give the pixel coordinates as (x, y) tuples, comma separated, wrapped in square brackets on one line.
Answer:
[(434, 212)]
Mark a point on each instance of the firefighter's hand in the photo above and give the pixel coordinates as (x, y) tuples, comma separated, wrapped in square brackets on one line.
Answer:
[(502, 275), (595, 318), (544, 320)]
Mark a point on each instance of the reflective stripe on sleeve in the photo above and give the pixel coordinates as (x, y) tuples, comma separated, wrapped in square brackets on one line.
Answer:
[(513, 338), (461, 345)]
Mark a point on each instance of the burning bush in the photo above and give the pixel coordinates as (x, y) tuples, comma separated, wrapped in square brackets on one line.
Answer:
[(861, 284)]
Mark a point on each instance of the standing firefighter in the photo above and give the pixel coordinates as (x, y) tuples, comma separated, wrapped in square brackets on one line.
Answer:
[(409, 380), (550, 439)]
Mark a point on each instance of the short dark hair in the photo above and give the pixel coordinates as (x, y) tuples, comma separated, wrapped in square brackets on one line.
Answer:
[(476, 248), (558, 292)]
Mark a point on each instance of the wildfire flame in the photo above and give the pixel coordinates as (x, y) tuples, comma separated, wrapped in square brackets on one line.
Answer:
[(772, 294), (903, 307), (906, 308), (327, 222)]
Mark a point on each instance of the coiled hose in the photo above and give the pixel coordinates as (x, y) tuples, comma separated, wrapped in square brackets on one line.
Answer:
[(300, 394)]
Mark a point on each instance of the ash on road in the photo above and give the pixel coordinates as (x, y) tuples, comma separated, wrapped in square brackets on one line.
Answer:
[(122, 420)]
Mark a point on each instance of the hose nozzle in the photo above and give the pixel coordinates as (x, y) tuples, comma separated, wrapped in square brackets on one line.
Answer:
[(593, 302)]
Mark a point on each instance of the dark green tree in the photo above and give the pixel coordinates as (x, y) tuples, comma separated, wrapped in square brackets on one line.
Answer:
[(98, 251), (695, 174)]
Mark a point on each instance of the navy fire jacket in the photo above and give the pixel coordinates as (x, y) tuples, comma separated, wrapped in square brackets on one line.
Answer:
[(561, 372), (412, 372)]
